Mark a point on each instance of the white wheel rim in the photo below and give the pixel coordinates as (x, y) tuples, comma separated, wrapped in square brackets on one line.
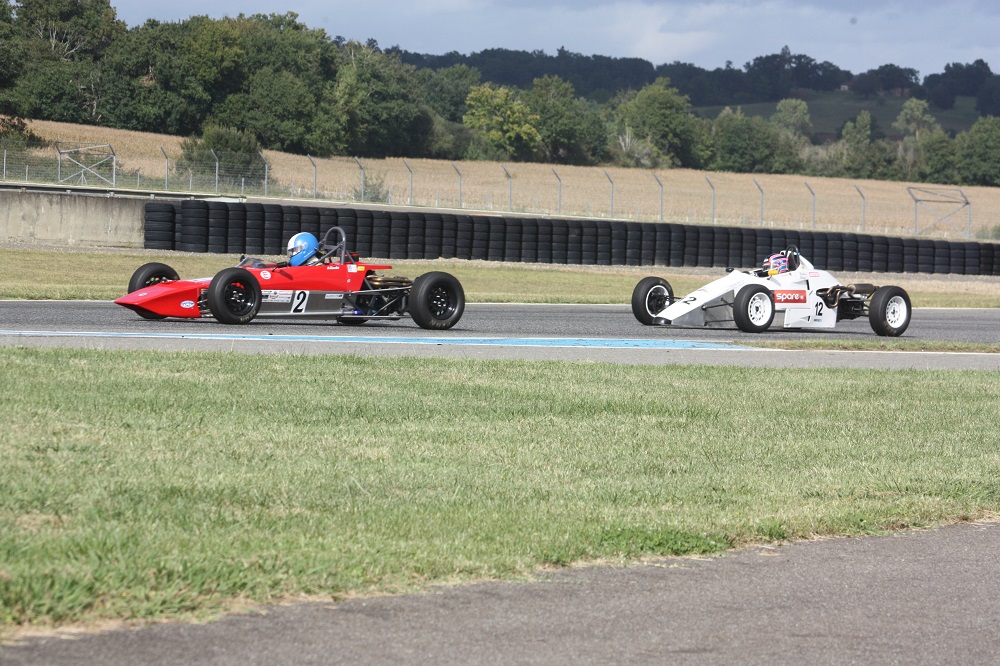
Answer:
[(895, 311), (759, 309)]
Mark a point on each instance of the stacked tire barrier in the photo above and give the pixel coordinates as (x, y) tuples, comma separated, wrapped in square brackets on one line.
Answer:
[(238, 228)]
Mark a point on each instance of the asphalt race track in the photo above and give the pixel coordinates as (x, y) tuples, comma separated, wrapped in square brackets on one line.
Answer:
[(918, 597), (604, 333)]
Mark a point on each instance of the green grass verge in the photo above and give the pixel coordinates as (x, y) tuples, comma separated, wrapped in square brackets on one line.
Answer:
[(144, 485), (104, 275)]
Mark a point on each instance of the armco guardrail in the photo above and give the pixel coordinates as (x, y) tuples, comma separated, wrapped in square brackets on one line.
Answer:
[(253, 228)]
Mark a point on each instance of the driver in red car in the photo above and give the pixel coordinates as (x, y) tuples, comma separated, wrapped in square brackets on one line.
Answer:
[(302, 249)]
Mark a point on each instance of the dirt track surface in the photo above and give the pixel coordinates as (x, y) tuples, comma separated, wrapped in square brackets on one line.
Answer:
[(918, 597)]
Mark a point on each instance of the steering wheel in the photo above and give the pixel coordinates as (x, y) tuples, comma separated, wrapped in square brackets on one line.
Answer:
[(792, 255)]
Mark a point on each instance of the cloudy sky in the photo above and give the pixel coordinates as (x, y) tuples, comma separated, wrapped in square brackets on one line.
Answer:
[(853, 34)]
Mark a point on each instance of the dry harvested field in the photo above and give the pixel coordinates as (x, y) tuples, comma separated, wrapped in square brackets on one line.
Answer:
[(876, 207)]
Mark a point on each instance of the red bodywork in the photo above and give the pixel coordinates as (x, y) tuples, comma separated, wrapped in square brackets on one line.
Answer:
[(185, 298)]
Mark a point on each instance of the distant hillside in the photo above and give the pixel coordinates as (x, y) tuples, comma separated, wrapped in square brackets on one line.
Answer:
[(830, 110)]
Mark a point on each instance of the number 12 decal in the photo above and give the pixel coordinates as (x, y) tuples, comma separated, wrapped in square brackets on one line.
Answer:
[(299, 301), (819, 308)]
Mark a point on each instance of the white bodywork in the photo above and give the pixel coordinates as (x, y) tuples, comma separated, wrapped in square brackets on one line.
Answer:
[(794, 296)]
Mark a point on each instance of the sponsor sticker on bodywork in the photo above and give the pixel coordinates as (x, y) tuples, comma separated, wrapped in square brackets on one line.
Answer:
[(790, 296), (276, 296)]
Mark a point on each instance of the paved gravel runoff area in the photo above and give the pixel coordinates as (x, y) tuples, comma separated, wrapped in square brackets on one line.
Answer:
[(915, 597)]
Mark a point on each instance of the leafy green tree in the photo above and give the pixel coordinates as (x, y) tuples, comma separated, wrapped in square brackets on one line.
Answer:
[(504, 122), (792, 115), (936, 163), (863, 157), (939, 91), (238, 153), (374, 107), (446, 90), (771, 76), (978, 153), (12, 62), (915, 119), (866, 85), (988, 98), (69, 29), (967, 79), (753, 145), (571, 131), (660, 115), (64, 91), (277, 108)]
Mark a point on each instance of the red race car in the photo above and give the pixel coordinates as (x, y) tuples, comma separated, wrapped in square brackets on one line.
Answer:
[(319, 281)]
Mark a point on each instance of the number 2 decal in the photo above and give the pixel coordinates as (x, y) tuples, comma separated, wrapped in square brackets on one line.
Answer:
[(299, 301)]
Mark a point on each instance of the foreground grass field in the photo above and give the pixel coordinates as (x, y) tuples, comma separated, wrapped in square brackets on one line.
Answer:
[(140, 485), (103, 275)]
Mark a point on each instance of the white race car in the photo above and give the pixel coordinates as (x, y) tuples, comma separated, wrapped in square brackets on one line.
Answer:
[(788, 284)]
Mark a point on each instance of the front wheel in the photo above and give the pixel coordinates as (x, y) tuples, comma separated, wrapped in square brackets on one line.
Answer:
[(436, 300), (753, 308), (651, 297), (889, 311), (234, 296), (146, 276)]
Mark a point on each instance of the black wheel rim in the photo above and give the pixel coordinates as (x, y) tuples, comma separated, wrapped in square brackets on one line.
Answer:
[(657, 299), (440, 304), (239, 299)]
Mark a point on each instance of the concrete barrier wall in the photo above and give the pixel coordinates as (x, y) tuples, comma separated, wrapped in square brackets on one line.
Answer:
[(71, 218)]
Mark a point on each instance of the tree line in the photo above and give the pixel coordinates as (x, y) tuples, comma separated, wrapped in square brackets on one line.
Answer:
[(240, 84)]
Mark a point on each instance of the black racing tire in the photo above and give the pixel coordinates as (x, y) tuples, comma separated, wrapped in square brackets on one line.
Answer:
[(234, 296), (650, 297), (889, 311), (753, 309), (147, 275), (436, 300)]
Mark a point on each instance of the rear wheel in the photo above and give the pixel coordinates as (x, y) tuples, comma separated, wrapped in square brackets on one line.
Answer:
[(753, 308), (234, 296), (650, 297), (889, 311), (436, 300), (146, 276)]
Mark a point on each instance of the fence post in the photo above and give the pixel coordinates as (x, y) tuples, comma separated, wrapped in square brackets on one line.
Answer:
[(660, 183), (611, 213), (266, 170), (459, 184), (761, 201), (166, 169), (212, 150), (510, 189), (712, 185), (814, 203), (313, 162), (362, 167), (559, 200), (864, 206), (406, 164)]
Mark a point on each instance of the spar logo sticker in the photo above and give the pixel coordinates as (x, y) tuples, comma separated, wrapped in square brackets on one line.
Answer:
[(790, 296)]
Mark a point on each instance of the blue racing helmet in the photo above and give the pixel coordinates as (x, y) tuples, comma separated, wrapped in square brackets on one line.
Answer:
[(301, 248)]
